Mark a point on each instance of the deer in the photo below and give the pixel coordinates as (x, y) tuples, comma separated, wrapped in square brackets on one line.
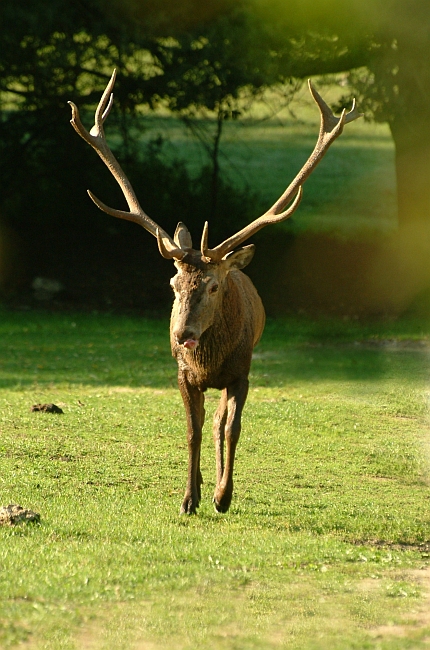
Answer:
[(217, 316)]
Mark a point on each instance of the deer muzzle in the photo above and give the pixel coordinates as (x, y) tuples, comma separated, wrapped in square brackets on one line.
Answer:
[(186, 337)]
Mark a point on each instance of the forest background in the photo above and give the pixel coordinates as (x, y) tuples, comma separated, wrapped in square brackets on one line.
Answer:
[(192, 80)]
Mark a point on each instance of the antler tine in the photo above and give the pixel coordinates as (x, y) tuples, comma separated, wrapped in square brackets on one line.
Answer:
[(167, 252), (206, 252), (96, 138), (166, 249), (100, 115), (353, 113), (269, 217), (102, 111), (331, 127)]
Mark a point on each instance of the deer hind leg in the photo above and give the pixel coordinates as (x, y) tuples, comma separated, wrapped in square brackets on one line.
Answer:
[(220, 418), (236, 397), (193, 400)]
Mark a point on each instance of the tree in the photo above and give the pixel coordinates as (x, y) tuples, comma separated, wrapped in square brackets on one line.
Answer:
[(384, 45), (193, 59), (395, 88), (64, 51), (217, 69), (198, 58)]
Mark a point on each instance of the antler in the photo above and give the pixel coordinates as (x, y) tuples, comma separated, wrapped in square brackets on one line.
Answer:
[(96, 138), (330, 129)]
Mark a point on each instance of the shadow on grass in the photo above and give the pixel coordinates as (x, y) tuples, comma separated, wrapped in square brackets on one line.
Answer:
[(51, 348), (338, 363)]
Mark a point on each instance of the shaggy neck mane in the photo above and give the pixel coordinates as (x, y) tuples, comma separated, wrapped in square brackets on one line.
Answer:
[(222, 336)]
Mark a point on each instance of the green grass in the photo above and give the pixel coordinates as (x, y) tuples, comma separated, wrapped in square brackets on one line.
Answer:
[(327, 541), (352, 192)]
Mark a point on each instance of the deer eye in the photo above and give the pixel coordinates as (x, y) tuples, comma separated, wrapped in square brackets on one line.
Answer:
[(214, 288)]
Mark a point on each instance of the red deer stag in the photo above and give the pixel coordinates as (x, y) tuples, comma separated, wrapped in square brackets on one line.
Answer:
[(217, 316)]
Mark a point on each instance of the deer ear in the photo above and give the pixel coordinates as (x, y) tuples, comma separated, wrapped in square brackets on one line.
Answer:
[(240, 258), (182, 237)]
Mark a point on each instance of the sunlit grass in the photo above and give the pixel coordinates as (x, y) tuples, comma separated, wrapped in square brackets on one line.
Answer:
[(352, 193), (329, 528)]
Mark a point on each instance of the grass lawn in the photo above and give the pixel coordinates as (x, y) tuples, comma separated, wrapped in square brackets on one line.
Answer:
[(327, 541)]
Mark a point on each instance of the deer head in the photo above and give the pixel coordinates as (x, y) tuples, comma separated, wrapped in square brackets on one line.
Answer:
[(199, 288)]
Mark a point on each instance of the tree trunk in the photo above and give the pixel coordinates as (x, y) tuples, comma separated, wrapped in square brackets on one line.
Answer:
[(413, 178), (404, 270), (215, 166), (410, 128)]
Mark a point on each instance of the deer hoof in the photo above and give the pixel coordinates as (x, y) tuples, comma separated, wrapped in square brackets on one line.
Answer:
[(222, 504), (189, 506)]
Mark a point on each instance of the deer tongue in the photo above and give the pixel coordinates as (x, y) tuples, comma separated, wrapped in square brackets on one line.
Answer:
[(190, 344)]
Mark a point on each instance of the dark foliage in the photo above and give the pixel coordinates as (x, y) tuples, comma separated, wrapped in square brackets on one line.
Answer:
[(198, 56), (61, 51), (101, 261)]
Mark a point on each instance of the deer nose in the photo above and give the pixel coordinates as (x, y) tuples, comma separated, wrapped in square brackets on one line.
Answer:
[(184, 335)]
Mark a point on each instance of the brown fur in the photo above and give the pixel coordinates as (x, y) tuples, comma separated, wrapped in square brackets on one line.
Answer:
[(227, 326)]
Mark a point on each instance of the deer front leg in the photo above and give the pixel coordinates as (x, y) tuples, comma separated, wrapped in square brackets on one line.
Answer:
[(193, 400), (236, 397), (220, 419)]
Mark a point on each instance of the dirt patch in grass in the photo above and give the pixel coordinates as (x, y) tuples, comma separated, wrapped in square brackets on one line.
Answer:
[(115, 627), (423, 548), (419, 618)]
